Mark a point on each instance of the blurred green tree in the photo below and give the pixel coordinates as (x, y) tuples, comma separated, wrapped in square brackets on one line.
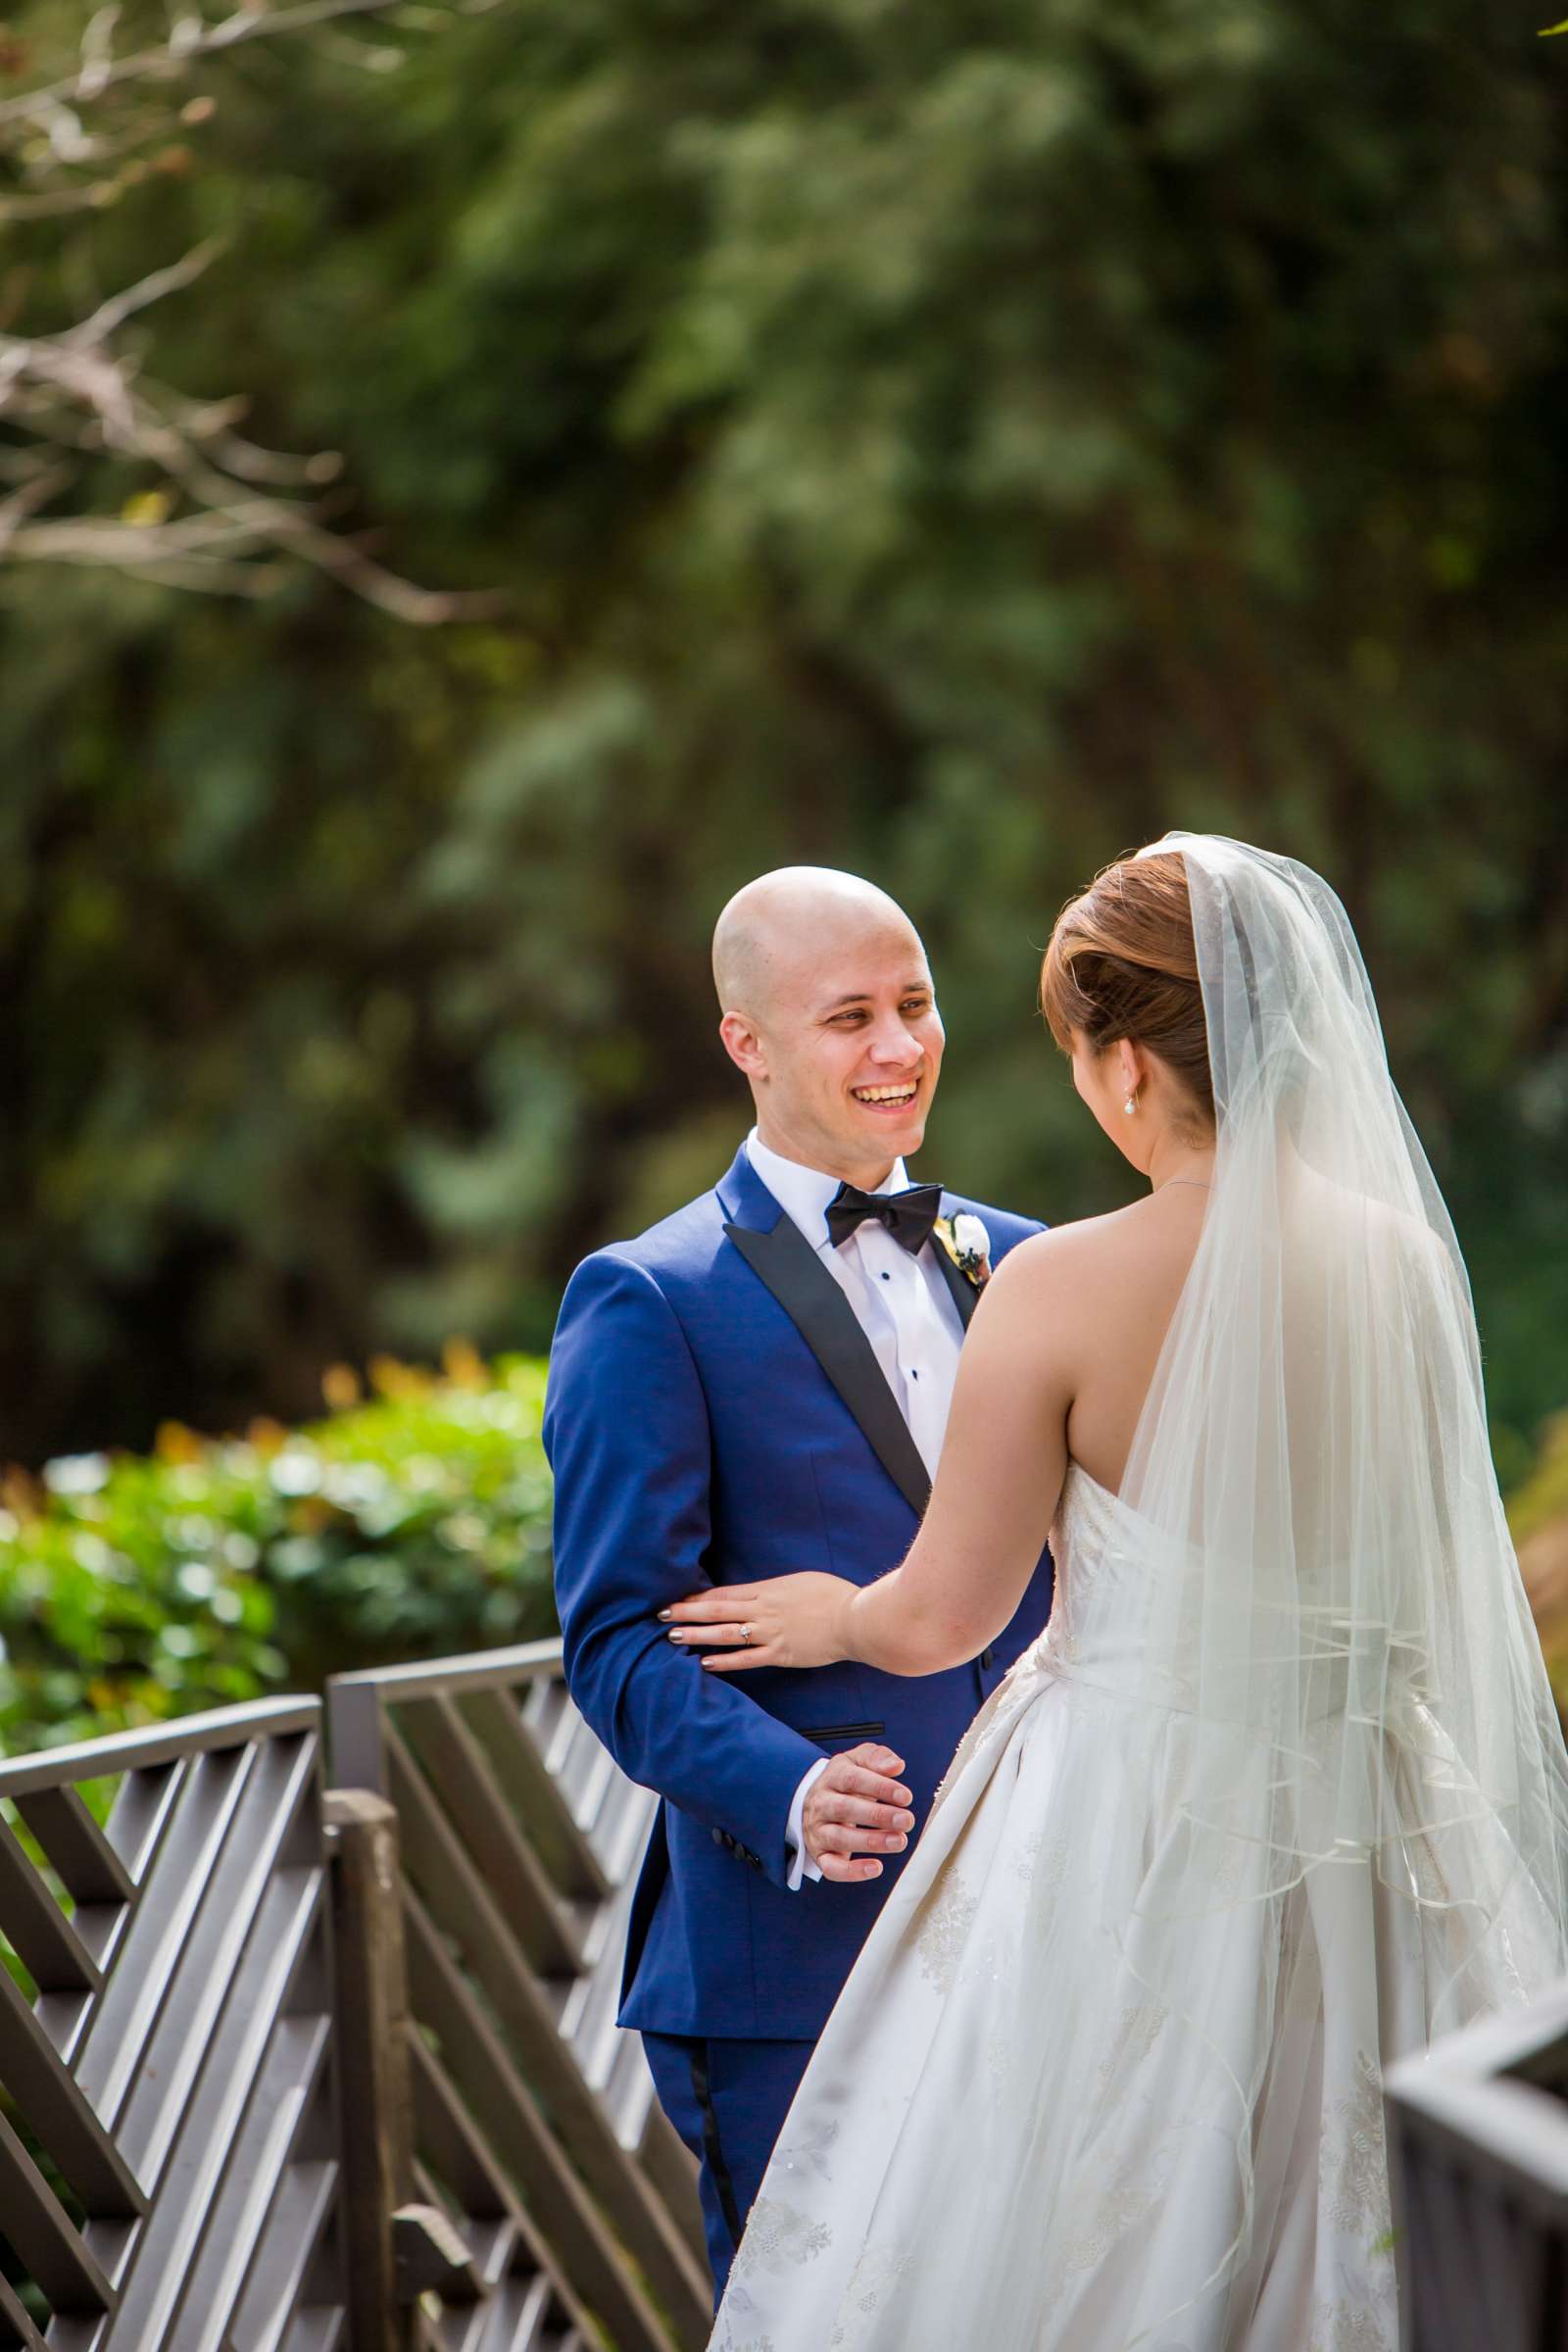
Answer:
[(955, 444)]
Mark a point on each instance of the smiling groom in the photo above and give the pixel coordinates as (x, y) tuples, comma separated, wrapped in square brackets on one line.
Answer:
[(757, 1384)]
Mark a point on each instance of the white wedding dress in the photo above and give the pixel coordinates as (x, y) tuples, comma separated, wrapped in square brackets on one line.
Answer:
[(1277, 1797)]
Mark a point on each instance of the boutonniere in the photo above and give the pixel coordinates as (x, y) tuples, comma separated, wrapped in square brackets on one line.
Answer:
[(969, 1244)]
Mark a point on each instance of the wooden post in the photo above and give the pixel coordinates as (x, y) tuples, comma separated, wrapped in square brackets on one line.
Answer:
[(372, 2027)]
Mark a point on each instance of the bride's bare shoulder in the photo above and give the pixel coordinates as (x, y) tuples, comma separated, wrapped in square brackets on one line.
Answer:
[(1083, 1255)]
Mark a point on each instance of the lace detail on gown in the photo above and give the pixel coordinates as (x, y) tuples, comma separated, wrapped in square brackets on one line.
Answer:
[(1353, 2170)]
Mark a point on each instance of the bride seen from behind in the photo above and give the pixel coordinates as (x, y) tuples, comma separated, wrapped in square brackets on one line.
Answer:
[(1279, 1795)]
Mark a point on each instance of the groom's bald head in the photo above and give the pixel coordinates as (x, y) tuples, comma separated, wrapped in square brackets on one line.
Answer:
[(828, 1008), (790, 922)]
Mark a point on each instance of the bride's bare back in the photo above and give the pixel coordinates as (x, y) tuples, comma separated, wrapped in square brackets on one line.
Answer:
[(1106, 1291)]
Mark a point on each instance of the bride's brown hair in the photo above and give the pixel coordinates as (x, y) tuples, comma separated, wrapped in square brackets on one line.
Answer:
[(1122, 962)]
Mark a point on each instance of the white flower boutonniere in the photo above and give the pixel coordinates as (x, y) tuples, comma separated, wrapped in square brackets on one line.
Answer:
[(969, 1244)]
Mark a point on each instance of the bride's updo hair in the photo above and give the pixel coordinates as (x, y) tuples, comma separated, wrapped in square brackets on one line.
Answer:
[(1122, 962)]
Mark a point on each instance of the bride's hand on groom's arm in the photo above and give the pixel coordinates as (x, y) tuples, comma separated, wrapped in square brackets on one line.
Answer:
[(783, 1621)]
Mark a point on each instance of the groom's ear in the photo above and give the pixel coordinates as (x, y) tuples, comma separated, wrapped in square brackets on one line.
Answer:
[(743, 1044)]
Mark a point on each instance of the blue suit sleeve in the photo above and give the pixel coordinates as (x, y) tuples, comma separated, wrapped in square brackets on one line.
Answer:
[(1011, 1231), (626, 1431)]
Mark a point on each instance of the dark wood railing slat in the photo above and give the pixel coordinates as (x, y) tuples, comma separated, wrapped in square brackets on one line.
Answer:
[(521, 1770), (137, 1997), (258, 2185), (506, 2112), (444, 2129), (286, 2253), (1478, 2147), (16, 2328), (459, 1897), (535, 1914), (43, 2235), (43, 2089), (145, 1803), (247, 1879), (38, 1930), (81, 1854), (207, 2131)]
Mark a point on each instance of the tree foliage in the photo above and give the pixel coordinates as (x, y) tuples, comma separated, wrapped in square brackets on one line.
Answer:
[(953, 443)]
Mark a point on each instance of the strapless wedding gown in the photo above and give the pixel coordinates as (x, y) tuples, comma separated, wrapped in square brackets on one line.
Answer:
[(1003, 2140)]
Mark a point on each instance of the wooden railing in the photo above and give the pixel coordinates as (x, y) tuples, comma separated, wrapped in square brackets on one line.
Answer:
[(1477, 2144), (286, 2068), (170, 2168), (534, 2116)]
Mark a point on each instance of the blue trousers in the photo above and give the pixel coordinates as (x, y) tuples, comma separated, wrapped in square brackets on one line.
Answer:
[(727, 2100)]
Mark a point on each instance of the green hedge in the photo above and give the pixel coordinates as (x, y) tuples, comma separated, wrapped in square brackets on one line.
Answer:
[(411, 1522)]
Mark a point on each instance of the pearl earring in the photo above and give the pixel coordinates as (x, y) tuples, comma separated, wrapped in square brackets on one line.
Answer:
[(1130, 1106)]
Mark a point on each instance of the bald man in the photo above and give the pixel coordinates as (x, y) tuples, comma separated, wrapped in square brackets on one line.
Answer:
[(757, 1384)]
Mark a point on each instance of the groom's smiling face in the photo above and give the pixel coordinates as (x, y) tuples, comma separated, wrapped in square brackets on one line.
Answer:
[(841, 1039)]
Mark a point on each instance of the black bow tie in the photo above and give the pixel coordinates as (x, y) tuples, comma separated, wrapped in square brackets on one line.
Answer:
[(909, 1216)]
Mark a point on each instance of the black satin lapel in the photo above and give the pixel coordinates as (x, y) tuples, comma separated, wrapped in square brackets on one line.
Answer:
[(786, 1262), (965, 1294)]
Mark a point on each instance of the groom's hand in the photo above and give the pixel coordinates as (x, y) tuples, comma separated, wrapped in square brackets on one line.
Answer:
[(855, 1809)]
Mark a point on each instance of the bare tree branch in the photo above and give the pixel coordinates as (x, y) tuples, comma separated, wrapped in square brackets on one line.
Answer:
[(217, 512), (190, 40), (111, 315)]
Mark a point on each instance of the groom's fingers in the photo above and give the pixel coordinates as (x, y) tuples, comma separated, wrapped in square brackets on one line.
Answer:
[(849, 1778), (832, 1839), (848, 1869), (860, 1810)]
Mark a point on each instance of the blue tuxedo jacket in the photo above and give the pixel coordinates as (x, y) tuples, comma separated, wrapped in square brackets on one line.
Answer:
[(714, 1412)]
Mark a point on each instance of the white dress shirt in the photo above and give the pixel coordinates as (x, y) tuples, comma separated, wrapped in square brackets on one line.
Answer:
[(910, 1318)]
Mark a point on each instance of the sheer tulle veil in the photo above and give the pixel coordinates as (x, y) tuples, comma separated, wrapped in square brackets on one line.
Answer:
[(1338, 1584), (1315, 1813)]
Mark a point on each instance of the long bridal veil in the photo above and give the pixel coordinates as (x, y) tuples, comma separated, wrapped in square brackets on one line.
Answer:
[(1314, 1812)]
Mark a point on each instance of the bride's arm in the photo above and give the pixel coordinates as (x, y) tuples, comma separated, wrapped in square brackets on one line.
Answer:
[(1003, 1463)]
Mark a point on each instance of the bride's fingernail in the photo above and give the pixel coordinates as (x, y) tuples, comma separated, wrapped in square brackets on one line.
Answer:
[(674, 1634), (663, 1616)]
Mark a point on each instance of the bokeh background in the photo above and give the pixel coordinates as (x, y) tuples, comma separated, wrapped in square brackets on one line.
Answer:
[(951, 442)]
